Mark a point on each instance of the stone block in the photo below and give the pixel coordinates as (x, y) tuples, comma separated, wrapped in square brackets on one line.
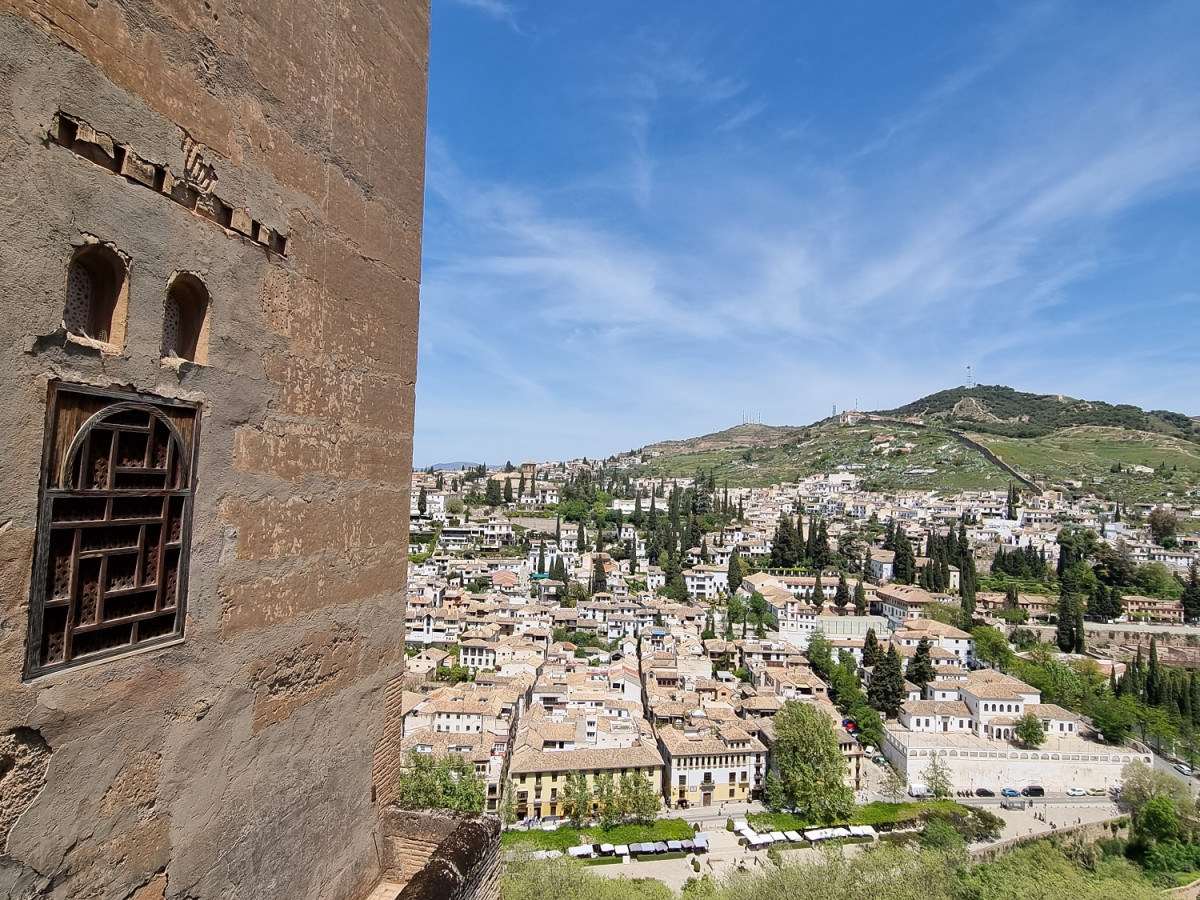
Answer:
[(139, 170)]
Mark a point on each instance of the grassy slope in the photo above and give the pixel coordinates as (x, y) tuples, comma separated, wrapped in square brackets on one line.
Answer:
[(823, 448), (1087, 452), (1080, 453)]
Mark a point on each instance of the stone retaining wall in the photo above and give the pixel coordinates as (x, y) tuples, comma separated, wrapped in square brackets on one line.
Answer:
[(440, 854)]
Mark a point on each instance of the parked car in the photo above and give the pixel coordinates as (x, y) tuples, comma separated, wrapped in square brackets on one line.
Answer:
[(1010, 792), (1076, 792), (984, 792), (1033, 790), (1096, 792), (1184, 769)]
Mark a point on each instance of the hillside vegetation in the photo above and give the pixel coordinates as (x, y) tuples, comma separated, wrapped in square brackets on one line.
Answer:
[(995, 409), (1117, 451), (915, 460)]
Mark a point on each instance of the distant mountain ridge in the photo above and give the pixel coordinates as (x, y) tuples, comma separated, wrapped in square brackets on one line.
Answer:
[(995, 409)]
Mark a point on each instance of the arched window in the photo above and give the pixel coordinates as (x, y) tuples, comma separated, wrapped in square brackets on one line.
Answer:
[(185, 319), (111, 567), (97, 294)]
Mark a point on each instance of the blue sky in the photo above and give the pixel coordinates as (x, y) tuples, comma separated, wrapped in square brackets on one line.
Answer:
[(645, 219)]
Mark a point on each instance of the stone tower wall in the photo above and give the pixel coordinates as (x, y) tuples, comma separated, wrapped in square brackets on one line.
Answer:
[(274, 149)]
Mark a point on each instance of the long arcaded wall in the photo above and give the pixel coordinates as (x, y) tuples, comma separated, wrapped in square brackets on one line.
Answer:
[(271, 154)]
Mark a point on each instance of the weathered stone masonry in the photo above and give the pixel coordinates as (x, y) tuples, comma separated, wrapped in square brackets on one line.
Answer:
[(268, 156)]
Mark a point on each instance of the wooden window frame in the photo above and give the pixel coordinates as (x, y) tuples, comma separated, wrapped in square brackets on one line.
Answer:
[(128, 522)]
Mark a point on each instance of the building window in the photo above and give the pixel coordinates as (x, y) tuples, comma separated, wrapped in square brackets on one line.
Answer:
[(110, 570), (185, 319), (97, 294)]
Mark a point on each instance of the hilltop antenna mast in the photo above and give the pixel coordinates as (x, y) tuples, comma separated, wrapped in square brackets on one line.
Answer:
[(970, 380)]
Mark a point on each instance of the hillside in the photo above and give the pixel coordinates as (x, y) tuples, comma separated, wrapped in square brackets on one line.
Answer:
[(916, 460), (1115, 451), (994, 409), (738, 437)]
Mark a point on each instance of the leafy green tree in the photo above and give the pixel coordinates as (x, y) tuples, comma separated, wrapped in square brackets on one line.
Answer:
[(577, 798), (886, 692), (508, 804), (640, 802), (1141, 784), (937, 778), (820, 654), (508, 493), (939, 835), (422, 501), (448, 782), (1029, 731), (608, 801), (921, 670), (810, 765), (1163, 524), (1159, 820), (991, 646), (894, 786)]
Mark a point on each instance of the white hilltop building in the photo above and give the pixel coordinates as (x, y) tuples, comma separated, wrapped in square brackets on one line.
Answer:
[(973, 736)]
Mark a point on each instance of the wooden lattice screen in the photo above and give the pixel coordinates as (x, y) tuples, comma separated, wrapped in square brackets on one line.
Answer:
[(114, 528)]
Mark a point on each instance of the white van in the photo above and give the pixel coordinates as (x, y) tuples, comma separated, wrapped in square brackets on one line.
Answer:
[(918, 790)]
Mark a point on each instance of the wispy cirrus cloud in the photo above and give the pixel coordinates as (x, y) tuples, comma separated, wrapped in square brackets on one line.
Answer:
[(495, 9)]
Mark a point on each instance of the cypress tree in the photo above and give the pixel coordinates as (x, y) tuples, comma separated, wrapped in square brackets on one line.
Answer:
[(541, 563), (968, 583), (860, 598), (920, 668), (1194, 692), (1191, 594), (904, 566), (599, 579), (841, 597), (872, 652), (886, 692), (1154, 677), (818, 592), (422, 501), (735, 571)]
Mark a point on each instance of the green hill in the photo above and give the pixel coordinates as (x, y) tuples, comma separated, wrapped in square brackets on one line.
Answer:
[(995, 409), (1115, 451)]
